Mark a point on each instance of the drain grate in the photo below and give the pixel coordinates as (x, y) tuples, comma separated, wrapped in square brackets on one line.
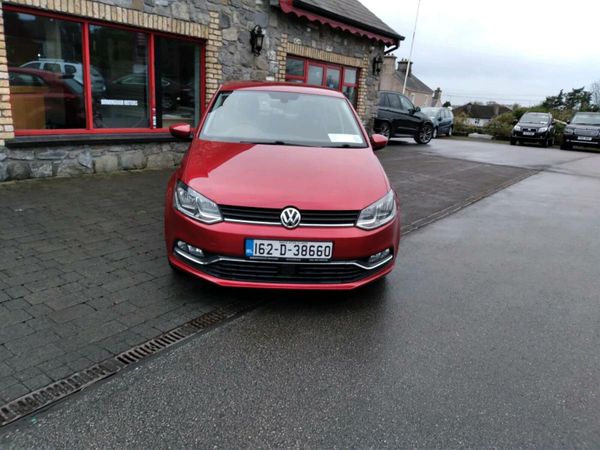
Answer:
[(41, 398)]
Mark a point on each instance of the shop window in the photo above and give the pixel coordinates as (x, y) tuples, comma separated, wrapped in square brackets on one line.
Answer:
[(350, 84), (67, 73), (44, 94), (120, 92), (333, 76), (178, 69)]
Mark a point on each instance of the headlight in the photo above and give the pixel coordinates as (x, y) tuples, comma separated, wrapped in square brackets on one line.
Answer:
[(195, 205), (568, 131), (542, 130), (378, 214), (517, 128)]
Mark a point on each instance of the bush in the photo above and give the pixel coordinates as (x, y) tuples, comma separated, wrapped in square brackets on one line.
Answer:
[(461, 127), (500, 127)]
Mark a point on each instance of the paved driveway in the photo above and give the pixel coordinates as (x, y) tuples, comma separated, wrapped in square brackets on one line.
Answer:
[(484, 336), (83, 274)]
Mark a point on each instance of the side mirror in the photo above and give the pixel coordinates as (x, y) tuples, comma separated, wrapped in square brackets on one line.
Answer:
[(378, 141), (181, 131), (568, 122), (417, 109)]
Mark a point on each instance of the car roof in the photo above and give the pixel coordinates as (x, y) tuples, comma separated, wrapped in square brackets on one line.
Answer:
[(40, 73), (280, 87)]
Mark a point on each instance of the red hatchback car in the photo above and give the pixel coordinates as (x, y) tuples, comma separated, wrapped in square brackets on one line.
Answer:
[(280, 188)]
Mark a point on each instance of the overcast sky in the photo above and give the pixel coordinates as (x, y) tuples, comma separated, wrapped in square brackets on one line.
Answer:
[(509, 51)]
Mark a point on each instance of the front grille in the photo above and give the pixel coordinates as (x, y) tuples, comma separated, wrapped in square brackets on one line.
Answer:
[(274, 272), (271, 216), (583, 132)]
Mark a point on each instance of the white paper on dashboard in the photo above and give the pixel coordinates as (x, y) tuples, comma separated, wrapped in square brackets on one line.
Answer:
[(351, 138)]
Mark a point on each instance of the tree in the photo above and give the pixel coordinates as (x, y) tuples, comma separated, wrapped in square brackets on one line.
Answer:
[(447, 104), (578, 99), (554, 102)]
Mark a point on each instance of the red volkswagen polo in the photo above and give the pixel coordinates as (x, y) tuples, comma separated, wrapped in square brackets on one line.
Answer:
[(280, 188)]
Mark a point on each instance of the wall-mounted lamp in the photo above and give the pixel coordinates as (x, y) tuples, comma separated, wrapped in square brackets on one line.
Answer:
[(257, 36), (377, 65)]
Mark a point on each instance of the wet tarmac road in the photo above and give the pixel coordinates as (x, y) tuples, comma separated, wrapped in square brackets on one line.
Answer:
[(485, 335)]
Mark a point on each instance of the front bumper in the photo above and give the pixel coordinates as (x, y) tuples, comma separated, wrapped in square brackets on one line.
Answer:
[(536, 137), (573, 139), (225, 263)]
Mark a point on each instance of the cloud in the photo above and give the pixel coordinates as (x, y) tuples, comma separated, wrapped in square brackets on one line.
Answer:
[(509, 51)]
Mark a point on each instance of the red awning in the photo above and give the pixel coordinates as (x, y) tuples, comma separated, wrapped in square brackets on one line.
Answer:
[(288, 7)]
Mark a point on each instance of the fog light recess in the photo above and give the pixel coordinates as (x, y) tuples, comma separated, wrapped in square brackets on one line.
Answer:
[(377, 257), (194, 251)]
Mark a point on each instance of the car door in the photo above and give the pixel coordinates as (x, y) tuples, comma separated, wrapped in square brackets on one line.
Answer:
[(396, 113), (445, 121), (410, 122)]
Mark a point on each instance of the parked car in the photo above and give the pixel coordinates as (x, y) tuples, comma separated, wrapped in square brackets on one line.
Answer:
[(45, 100), (398, 117), (534, 127), (442, 118), (583, 129), (134, 87), (280, 188), (68, 68)]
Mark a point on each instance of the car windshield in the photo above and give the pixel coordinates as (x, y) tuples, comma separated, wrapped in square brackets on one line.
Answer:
[(586, 119), (282, 118), (429, 111), (538, 118)]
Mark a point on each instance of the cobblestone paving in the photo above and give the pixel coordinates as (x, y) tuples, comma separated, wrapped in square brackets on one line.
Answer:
[(83, 274)]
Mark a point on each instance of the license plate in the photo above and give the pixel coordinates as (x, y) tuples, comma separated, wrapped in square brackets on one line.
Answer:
[(297, 250), (528, 133), (584, 138)]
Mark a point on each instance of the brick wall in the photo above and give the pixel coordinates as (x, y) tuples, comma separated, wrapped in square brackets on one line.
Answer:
[(225, 27)]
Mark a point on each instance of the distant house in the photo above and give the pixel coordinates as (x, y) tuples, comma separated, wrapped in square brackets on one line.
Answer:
[(392, 79), (480, 115)]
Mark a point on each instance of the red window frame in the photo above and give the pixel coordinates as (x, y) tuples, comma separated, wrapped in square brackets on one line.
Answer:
[(325, 66), (151, 60)]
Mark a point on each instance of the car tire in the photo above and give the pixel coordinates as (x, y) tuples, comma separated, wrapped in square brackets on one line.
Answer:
[(513, 142), (425, 134), (385, 130), (546, 143), (435, 133), (566, 146), (450, 131), (169, 103)]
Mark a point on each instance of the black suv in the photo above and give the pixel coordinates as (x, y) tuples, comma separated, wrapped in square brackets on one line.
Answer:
[(582, 129), (398, 117), (534, 127)]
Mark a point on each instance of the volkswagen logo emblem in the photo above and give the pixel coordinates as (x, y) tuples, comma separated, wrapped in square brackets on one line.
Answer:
[(290, 218)]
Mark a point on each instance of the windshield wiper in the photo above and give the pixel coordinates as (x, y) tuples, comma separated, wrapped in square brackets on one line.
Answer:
[(345, 146), (276, 142)]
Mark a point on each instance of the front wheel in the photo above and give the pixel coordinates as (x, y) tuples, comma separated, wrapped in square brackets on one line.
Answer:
[(566, 146), (425, 134), (546, 143), (435, 133), (384, 129), (450, 131), (513, 142)]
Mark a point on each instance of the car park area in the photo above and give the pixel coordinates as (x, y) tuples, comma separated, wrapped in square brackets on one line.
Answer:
[(83, 281), (483, 335)]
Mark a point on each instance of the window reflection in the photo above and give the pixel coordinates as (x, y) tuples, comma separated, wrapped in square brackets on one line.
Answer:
[(45, 72), (178, 93), (119, 57)]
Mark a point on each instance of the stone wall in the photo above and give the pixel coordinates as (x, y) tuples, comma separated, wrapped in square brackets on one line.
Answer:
[(225, 27), (66, 161)]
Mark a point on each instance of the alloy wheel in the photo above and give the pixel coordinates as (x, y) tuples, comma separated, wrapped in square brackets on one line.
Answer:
[(425, 134), (385, 129)]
